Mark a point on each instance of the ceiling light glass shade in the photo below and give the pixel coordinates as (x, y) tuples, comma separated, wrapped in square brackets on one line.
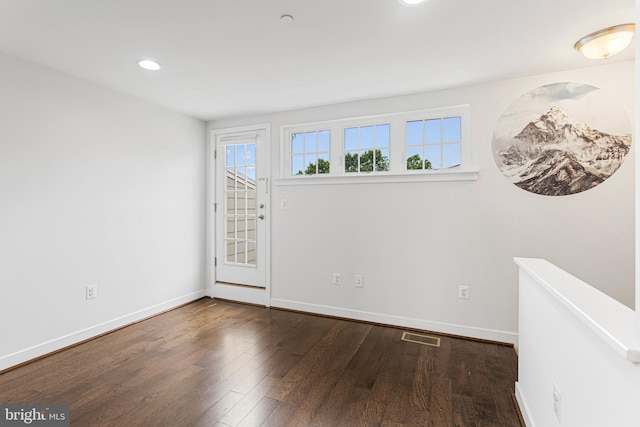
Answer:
[(286, 19), (607, 42), (411, 2), (148, 64)]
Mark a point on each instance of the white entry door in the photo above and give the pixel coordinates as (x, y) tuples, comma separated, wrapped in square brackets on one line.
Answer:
[(241, 208)]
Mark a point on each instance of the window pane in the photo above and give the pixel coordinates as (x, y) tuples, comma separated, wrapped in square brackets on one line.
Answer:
[(414, 133), (366, 137), (351, 139), (323, 141), (240, 155), (241, 228), (297, 143), (351, 162), (451, 155), (414, 151), (297, 163), (251, 154), (230, 155), (251, 253), (432, 156), (231, 204), (231, 227), (432, 131), (231, 181), (241, 254), (231, 251), (415, 162), (323, 163), (251, 229), (310, 163), (240, 202), (414, 158), (240, 180), (251, 174), (382, 136), (451, 127), (366, 161), (251, 202), (382, 160), (310, 145)]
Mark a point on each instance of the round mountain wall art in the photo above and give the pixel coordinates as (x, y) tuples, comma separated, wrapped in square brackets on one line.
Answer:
[(561, 139)]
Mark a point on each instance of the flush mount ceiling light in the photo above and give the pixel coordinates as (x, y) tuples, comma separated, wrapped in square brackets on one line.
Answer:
[(149, 64), (411, 2), (604, 43), (286, 19)]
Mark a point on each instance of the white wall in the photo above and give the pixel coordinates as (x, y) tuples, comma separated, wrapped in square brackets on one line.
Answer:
[(637, 154), (416, 242), (95, 187), (581, 341)]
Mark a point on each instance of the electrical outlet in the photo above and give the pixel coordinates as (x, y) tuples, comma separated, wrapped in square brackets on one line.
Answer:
[(359, 280), (557, 400), (463, 292), (337, 279), (91, 291)]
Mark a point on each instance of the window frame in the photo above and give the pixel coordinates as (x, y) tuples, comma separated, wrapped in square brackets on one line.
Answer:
[(360, 150), (305, 154), (397, 149)]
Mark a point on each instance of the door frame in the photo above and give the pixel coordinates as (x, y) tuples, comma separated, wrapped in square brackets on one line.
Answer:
[(247, 294)]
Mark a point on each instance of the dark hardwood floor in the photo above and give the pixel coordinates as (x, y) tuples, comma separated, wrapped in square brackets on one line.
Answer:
[(217, 363)]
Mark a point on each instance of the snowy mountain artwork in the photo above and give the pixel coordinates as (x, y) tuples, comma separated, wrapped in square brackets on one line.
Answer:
[(561, 139)]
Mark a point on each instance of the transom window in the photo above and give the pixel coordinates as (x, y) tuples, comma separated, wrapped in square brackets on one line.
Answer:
[(434, 143), (366, 149), (310, 153), (427, 144)]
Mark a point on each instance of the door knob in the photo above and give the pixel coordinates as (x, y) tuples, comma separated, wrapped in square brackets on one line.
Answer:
[(260, 216)]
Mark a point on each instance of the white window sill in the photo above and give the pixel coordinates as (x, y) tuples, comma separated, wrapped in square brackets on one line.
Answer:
[(435, 176)]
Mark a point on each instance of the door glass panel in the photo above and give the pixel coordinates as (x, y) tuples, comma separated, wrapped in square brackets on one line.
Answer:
[(251, 252), (251, 229), (240, 154), (241, 228), (231, 180), (240, 204), (231, 251), (231, 228), (241, 253), (230, 150), (230, 203)]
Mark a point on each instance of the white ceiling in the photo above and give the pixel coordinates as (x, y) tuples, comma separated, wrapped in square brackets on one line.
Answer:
[(235, 57)]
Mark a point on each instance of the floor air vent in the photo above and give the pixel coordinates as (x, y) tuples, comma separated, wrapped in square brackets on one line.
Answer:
[(421, 339)]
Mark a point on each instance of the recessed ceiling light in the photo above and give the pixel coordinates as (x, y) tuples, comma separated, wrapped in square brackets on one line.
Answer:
[(148, 64), (411, 2)]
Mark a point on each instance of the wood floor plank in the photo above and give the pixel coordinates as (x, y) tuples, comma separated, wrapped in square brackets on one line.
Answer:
[(348, 397), (249, 401), (218, 363), (302, 391)]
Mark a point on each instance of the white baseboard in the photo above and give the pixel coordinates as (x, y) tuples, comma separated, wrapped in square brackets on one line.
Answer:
[(36, 351), (524, 409), (407, 322), (244, 294)]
